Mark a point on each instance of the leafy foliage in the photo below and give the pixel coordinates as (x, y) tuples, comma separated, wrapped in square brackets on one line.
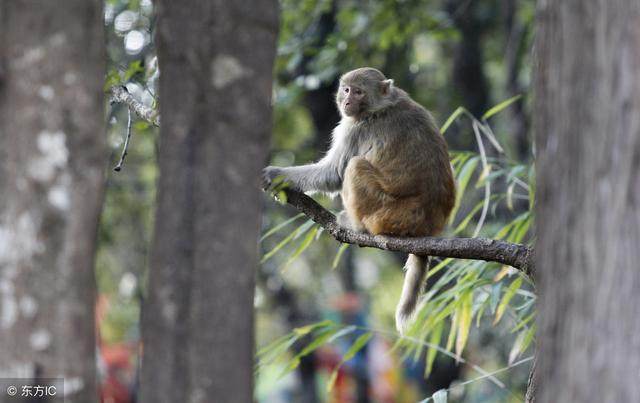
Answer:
[(461, 293)]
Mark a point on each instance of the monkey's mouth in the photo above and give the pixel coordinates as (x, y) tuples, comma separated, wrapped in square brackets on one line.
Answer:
[(351, 110)]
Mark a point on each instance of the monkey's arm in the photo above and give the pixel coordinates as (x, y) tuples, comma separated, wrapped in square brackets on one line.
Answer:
[(321, 176)]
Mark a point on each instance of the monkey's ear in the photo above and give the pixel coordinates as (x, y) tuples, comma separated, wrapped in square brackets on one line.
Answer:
[(385, 86)]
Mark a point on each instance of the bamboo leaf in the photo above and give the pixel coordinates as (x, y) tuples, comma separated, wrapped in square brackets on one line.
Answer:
[(301, 248), (464, 321), (503, 272), (502, 105), (293, 235), (516, 350), (510, 196), (452, 331), (465, 222), (523, 322), (343, 332), (495, 297), (434, 339), (280, 226), (336, 260), (511, 291), (529, 338), (275, 352), (462, 181), (304, 330), (357, 345), (320, 340), (459, 111)]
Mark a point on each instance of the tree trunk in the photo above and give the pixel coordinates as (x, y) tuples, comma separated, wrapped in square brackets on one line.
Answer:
[(216, 61), (51, 184), (588, 210)]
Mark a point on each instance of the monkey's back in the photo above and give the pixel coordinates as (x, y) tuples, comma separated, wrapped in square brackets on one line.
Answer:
[(412, 156)]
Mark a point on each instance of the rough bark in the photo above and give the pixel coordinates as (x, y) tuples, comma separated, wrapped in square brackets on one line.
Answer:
[(216, 61), (588, 210), (52, 170)]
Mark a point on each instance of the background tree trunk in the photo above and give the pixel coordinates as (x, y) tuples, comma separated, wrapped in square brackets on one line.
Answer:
[(51, 186), (588, 210), (216, 60)]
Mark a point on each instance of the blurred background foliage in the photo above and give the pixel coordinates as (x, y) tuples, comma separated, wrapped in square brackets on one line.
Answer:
[(324, 312)]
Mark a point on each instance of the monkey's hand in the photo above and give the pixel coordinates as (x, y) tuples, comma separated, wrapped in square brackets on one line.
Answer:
[(273, 178)]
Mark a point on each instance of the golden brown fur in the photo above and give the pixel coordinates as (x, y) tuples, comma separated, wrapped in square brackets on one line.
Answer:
[(390, 163)]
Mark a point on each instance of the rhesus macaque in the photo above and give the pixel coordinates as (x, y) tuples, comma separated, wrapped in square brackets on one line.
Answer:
[(391, 166)]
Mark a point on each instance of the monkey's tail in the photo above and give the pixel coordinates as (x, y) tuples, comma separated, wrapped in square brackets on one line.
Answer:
[(416, 273)]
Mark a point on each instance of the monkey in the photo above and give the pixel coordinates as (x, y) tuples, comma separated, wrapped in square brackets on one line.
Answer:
[(390, 164)]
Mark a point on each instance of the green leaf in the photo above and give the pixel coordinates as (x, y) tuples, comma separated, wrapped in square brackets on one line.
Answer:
[(452, 331), (112, 79), (481, 310), (301, 248), (357, 345), (273, 345), (304, 330), (439, 267), (434, 339), (451, 119), (523, 341), (293, 235), (531, 333), (141, 126), (133, 69), (524, 322), (464, 320), (495, 296), (343, 332), (465, 222), (462, 181), (336, 259), (322, 338), (517, 348), (332, 379), (280, 226), (502, 105), (511, 291), (273, 351)]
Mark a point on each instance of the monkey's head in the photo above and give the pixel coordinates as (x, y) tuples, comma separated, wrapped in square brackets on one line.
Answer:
[(364, 91)]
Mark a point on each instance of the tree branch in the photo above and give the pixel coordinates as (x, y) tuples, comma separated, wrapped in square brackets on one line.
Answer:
[(119, 94), (516, 255)]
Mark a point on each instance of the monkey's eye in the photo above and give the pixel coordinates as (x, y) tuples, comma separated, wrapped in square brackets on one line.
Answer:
[(357, 91), (346, 90)]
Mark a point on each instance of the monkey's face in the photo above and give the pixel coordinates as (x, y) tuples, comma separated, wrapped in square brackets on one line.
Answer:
[(351, 99)]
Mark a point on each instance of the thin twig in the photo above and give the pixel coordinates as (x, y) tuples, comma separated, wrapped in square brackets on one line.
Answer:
[(120, 94), (125, 148)]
